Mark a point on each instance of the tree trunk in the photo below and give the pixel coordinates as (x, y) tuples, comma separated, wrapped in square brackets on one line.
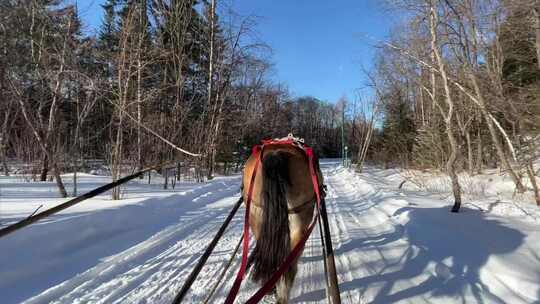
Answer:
[(4, 162), (77, 157), (422, 108), (139, 114), (536, 13), (479, 158), (74, 181), (116, 157), (366, 145), (494, 136), (47, 142), (211, 153), (451, 169), (4, 137), (116, 160), (3, 153), (451, 163), (213, 142), (58, 180), (532, 178), (42, 145), (362, 153), (44, 169), (470, 164), (166, 177)]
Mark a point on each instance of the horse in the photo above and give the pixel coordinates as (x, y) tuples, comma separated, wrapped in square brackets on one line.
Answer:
[(283, 201)]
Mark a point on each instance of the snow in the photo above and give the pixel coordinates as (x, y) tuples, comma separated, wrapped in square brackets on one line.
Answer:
[(391, 245), (491, 191)]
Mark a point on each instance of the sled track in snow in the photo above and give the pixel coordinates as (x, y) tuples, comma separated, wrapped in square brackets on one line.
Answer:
[(153, 270)]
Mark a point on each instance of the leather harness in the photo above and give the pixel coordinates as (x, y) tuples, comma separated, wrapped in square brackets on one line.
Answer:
[(295, 210), (297, 250)]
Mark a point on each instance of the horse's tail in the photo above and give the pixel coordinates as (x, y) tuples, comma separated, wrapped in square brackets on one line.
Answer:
[(273, 244)]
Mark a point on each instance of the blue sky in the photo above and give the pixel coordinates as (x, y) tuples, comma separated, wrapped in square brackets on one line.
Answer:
[(318, 46)]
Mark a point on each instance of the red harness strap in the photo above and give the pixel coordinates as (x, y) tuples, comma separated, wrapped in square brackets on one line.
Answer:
[(257, 152), (295, 253)]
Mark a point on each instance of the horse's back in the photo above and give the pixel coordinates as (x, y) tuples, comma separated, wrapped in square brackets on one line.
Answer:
[(301, 188)]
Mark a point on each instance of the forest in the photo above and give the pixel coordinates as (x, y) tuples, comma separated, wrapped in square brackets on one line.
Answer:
[(458, 86), (455, 88), (158, 76)]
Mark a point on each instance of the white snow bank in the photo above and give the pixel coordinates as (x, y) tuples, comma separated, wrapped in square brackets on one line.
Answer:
[(69, 243), (391, 245), (489, 192), (405, 246)]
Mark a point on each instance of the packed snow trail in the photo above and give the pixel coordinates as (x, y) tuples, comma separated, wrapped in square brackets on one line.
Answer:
[(391, 246)]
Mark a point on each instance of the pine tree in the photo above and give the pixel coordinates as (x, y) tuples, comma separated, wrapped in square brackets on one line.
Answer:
[(108, 33), (399, 130)]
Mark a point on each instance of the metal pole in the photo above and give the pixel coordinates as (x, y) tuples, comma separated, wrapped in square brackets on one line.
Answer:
[(343, 135), (195, 272), (346, 156)]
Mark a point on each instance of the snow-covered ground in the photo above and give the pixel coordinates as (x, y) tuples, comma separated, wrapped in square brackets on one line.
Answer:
[(490, 191), (391, 245)]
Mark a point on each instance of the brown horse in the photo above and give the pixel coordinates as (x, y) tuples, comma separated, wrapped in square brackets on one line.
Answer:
[(282, 206)]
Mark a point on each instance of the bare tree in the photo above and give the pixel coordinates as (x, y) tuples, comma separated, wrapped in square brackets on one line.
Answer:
[(536, 22), (7, 123), (449, 114), (41, 55), (127, 60)]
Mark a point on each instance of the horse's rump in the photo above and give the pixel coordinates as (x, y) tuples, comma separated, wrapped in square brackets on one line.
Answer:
[(273, 243), (285, 183)]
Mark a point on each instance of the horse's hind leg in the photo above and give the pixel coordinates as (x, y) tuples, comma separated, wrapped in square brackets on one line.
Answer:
[(285, 284)]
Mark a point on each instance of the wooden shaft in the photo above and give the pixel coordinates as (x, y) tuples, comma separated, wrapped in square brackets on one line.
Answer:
[(323, 245), (333, 286), (195, 272)]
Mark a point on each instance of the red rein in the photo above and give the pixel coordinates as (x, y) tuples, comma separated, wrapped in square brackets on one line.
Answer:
[(295, 253)]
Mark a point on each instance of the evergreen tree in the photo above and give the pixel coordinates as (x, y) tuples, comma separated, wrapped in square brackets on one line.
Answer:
[(108, 33), (398, 131)]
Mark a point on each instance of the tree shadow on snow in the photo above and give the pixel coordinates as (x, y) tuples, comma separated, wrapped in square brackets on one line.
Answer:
[(453, 247)]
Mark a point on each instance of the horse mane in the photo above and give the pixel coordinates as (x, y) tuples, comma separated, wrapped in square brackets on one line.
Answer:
[(273, 245)]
